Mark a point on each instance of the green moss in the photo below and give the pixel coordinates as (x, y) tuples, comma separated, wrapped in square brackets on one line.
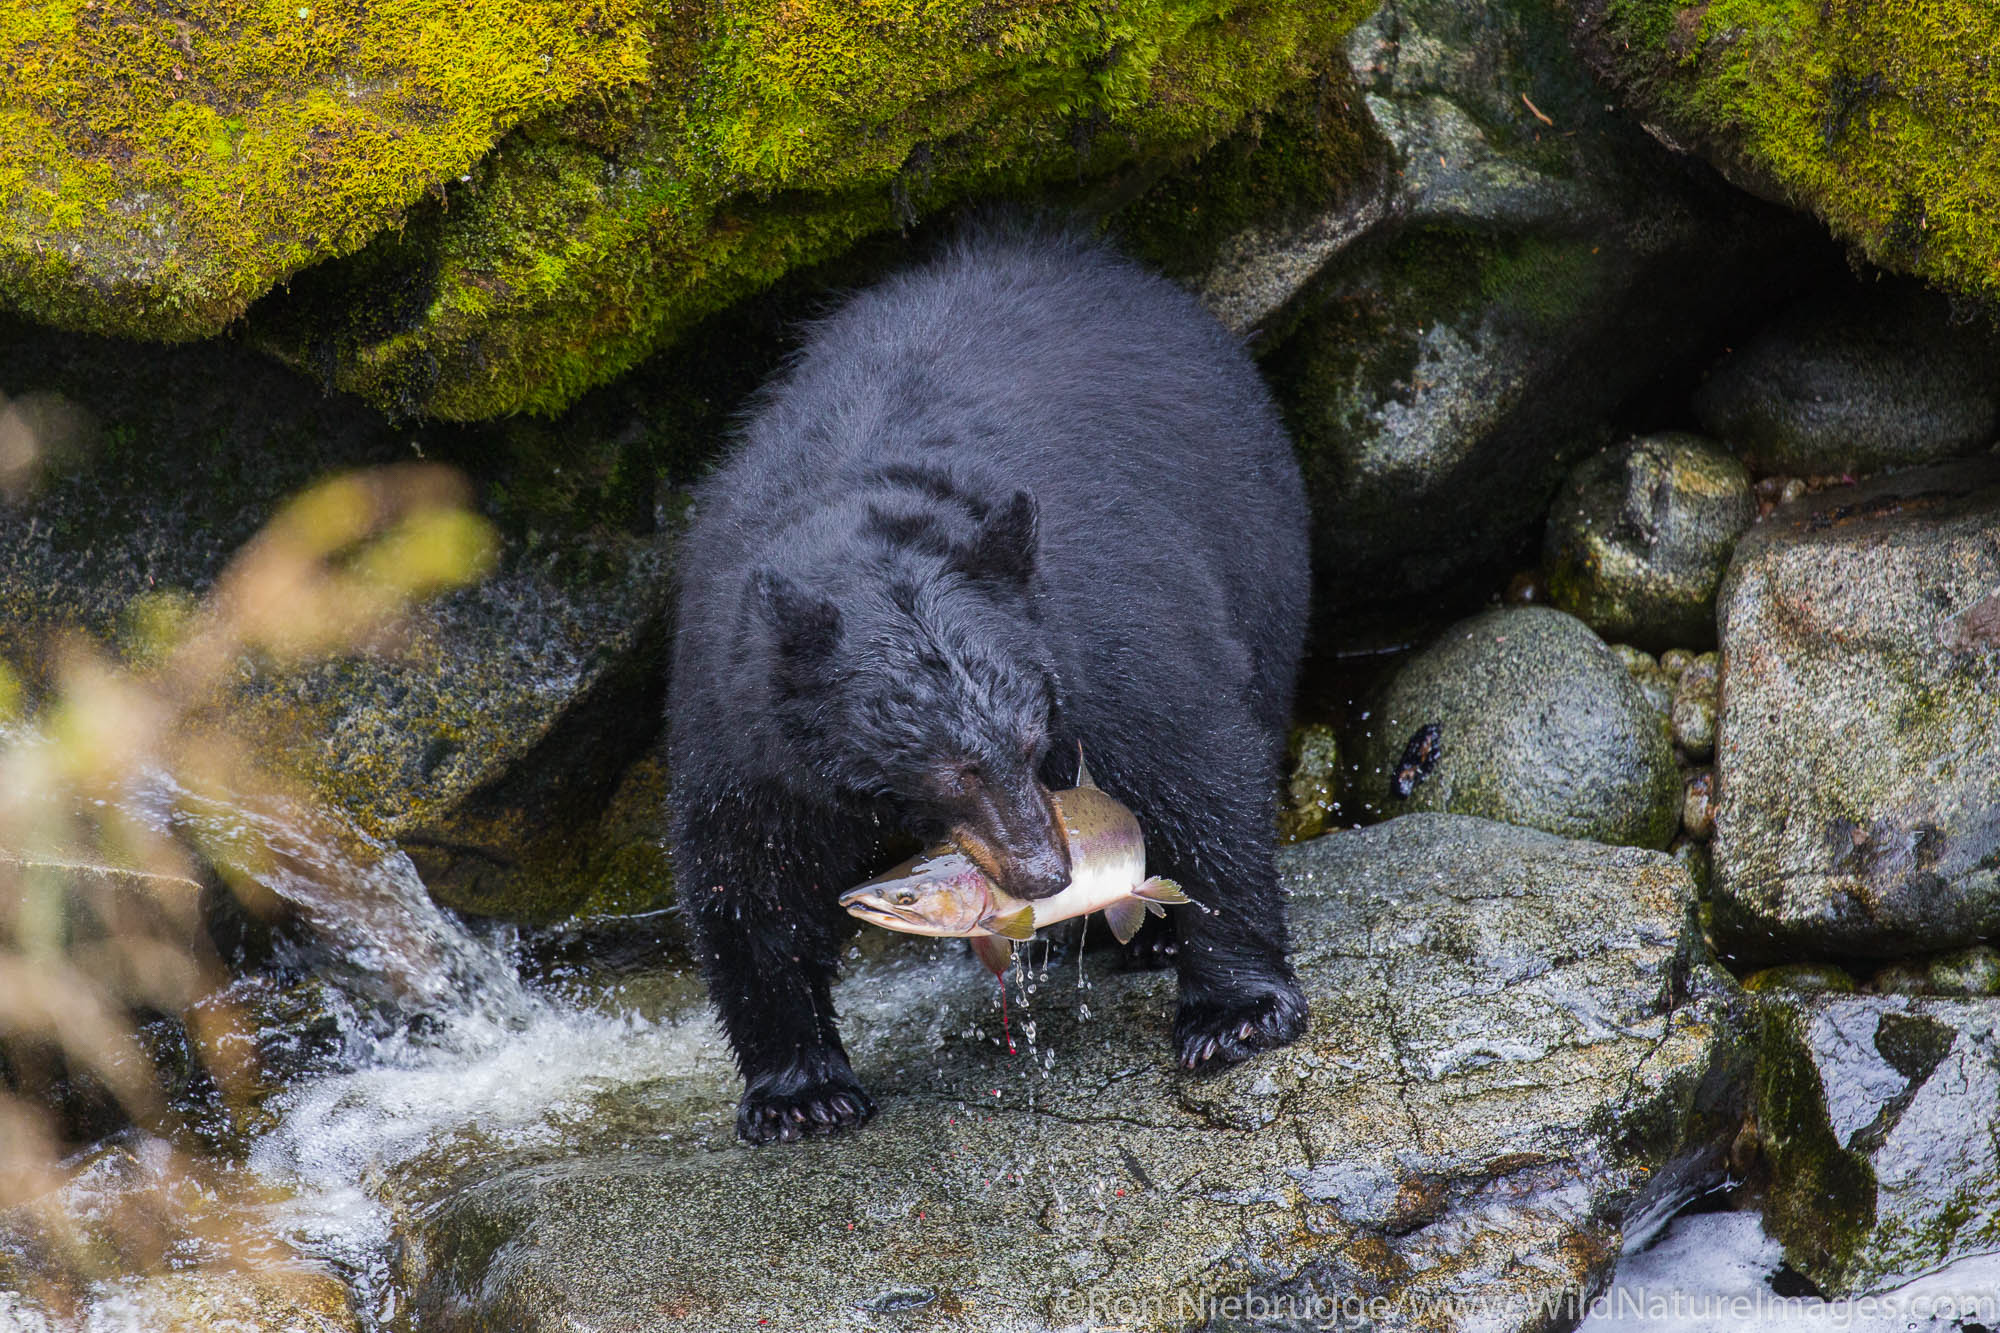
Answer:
[(1883, 119), (776, 135), (159, 172), (1822, 1198)]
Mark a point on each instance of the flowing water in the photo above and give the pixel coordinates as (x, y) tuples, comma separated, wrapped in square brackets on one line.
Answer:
[(442, 1055)]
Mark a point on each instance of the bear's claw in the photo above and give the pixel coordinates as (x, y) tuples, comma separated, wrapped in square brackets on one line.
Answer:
[(1224, 1030), (781, 1116)]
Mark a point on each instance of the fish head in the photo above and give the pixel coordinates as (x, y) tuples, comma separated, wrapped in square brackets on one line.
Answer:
[(940, 893)]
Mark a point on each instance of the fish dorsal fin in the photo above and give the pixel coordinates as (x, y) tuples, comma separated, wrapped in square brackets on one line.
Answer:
[(1016, 923), (1125, 917), (993, 951), (1083, 778), (1158, 890)]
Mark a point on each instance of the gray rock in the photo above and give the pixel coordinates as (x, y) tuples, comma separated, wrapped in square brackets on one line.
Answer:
[(1496, 1064), (1876, 376), (1880, 1118), (1538, 724), (1639, 537), (1860, 725), (1524, 279)]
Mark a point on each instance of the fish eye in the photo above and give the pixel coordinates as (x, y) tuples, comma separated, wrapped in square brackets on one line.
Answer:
[(905, 897)]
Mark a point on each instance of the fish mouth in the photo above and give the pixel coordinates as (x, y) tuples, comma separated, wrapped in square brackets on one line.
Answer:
[(876, 912)]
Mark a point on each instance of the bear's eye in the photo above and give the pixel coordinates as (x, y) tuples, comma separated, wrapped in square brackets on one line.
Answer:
[(958, 779)]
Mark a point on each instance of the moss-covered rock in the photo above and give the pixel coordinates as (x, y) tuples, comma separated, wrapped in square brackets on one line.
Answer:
[(1312, 793), (1525, 716), (1860, 722), (158, 173), (1878, 1119), (549, 674), (1879, 118), (663, 160)]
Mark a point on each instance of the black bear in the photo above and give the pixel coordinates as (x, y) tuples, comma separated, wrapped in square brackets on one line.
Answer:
[(1023, 497)]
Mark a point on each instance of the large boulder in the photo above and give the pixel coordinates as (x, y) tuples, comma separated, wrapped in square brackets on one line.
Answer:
[(1860, 724), (497, 205), (1525, 716), (1535, 263), (1857, 380), (1865, 114), (1509, 1039), (1879, 1117)]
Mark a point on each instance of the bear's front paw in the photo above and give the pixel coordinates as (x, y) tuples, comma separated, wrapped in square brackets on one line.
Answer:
[(1227, 1028), (788, 1107)]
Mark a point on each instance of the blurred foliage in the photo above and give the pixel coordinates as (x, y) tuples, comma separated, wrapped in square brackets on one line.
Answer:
[(111, 858)]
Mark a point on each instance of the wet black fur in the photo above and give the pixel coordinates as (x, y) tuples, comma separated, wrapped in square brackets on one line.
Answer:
[(1022, 496)]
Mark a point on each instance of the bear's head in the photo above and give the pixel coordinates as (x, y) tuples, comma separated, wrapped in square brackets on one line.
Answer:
[(922, 680)]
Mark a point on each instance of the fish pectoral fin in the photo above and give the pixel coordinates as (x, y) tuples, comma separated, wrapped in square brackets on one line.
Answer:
[(1157, 890), (993, 951), (1125, 917), (1083, 778), (1017, 923)]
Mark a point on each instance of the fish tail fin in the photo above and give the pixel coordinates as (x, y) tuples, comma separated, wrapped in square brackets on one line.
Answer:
[(1125, 917), (994, 951), (1016, 923), (1158, 890)]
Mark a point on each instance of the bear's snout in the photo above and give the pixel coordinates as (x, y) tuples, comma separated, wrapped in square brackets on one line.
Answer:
[(1014, 834)]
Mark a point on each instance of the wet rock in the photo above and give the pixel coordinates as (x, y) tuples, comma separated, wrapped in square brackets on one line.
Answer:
[(1540, 260), (1651, 677), (1639, 536), (1867, 378), (537, 685), (1697, 696), (1861, 724), (1497, 1064), (1694, 855), (1538, 725), (1880, 1118)]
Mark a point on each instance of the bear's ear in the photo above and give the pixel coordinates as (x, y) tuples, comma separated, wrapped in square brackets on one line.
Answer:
[(805, 624), (1004, 550)]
